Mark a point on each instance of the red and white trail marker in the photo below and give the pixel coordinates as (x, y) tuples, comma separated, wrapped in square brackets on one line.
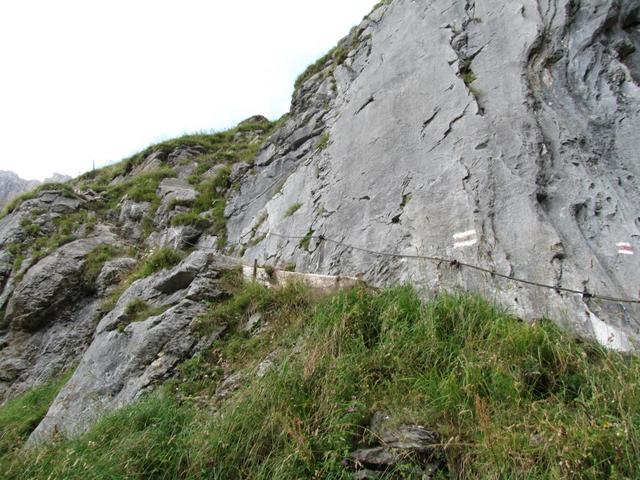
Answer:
[(625, 248)]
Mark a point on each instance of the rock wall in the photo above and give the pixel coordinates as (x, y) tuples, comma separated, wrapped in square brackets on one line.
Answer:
[(502, 134), (498, 134)]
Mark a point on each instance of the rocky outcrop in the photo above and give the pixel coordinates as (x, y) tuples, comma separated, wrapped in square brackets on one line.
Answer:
[(52, 283), (50, 317), (174, 192), (132, 216), (127, 358), (401, 448), (112, 273), (497, 134), (447, 134)]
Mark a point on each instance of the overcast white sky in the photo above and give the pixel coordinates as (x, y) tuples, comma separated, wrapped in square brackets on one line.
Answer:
[(84, 80)]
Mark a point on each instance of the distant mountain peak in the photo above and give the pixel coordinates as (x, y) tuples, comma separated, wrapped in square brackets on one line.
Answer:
[(12, 185)]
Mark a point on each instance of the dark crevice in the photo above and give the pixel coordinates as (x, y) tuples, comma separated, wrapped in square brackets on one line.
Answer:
[(428, 121), (450, 128), (366, 104)]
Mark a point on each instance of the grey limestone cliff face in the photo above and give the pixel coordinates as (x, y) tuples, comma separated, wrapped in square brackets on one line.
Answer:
[(502, 134)]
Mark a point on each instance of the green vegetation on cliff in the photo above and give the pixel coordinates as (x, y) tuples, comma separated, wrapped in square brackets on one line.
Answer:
[(509, 399)]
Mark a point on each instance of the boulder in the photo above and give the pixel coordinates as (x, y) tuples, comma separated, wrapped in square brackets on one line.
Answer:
[(174, 194), (119, 366), (113, 272), (412, 447), (51, 315), (178, 238), (54, 282), (131, 218)]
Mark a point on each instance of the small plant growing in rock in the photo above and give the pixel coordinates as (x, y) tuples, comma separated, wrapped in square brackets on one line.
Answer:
[(292, 209), (160, 260), (306, 241), (270, 271), (95, 260), (138, 310), (324, 141)]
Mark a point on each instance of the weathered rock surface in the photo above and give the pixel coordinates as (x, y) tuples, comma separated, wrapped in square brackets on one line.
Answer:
[(53, 282), (50, 317), (411, 446), (496, 133), (175, 193), (181, 237), (112, 273), (124, 358), (48, 205), (132, 215)]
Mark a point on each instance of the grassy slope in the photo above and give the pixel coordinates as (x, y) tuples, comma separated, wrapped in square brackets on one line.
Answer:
[(511, 400)]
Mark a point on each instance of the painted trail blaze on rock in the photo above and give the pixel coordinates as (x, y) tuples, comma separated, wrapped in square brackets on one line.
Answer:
[(625, 248), (465, 239)]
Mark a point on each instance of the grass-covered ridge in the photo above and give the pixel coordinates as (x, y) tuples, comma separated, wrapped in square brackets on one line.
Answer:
[(510, 400), (103, 191)]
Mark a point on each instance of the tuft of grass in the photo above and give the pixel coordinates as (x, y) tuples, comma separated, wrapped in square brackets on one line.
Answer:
[(510, 399), (161, 259), (292, 209), (192, 219), (336, 56), (306, 241), (324, 141), (138, 311), (95, 260)]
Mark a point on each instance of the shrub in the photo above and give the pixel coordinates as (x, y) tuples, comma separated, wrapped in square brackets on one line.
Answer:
[(306, 241)]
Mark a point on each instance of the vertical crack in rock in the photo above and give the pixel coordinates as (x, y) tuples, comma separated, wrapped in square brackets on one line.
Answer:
[(449, 129), (428, 121), (369, 101)]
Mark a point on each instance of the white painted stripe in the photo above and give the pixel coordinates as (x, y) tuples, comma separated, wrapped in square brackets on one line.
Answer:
[(625, 252), (467, 243), (467, 234), (623, 244)]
